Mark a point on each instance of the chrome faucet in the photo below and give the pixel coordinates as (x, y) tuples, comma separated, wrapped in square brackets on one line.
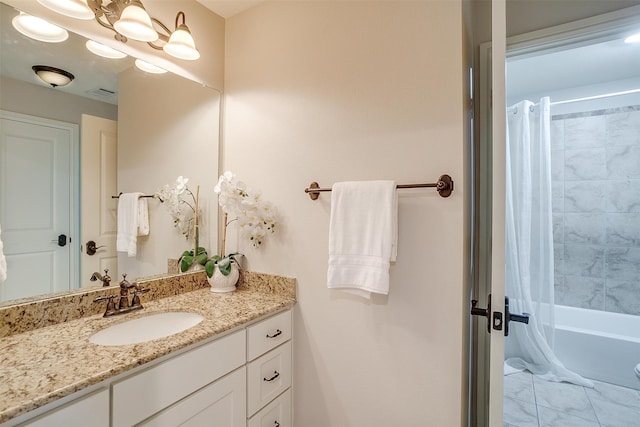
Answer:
[(123, 305), (106, 279)]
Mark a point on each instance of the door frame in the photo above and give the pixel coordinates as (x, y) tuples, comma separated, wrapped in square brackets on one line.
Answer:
[(601, 27), (74, 184)]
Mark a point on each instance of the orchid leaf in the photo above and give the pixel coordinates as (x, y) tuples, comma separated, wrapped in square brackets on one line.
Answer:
[(209, 267), (186, 262), (225, 269), (201, 258)]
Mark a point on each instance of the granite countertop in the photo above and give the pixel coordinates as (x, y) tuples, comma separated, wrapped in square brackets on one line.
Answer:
[(45, 364)]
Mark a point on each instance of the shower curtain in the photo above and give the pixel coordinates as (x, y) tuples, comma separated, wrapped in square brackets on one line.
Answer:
[(529, 244)]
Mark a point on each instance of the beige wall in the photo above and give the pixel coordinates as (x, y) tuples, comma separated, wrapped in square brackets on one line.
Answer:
[(334, 91), (40, 101), (167, 126)]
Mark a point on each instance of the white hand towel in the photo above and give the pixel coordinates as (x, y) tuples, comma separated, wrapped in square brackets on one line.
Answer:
[(143, 217), (363, 233), (3, 262), (128, 216)]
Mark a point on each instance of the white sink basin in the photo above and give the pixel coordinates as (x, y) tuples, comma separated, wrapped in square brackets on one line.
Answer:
[(146, 328)]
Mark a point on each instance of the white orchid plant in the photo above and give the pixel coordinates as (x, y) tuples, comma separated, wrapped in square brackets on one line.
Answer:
[(256, 218), (182, 204)]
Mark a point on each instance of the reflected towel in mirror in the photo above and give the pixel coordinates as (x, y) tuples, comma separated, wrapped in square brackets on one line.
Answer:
[(133, 221)]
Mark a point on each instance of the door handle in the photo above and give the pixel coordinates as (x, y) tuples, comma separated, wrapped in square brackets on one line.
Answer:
[(484, 312), (61, 240), (495, 320), (510, 317), (92, 248)]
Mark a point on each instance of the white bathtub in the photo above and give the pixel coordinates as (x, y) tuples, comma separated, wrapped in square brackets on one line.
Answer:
[(599, 345)]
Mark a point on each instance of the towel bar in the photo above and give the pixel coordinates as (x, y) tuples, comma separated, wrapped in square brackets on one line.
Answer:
[(444, 186), (118, 196)]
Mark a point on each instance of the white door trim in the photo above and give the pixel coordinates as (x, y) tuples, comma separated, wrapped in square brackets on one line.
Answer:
[(74, 185)]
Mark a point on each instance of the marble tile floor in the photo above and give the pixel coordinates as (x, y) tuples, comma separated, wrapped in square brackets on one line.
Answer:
[(531, 402)]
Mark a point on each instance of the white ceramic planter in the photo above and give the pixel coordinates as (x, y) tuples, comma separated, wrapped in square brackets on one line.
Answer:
[(221, 283)]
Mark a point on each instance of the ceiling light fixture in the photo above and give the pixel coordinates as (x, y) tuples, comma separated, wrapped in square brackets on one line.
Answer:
[(104, 51), (53, 76), (129, 20), (38, 29), (634, 38)]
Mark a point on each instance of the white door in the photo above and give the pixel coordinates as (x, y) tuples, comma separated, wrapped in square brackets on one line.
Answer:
[(98, 209), (499, 128), (35, 204)]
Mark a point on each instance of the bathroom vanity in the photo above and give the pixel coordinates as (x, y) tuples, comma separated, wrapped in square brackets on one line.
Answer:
[(233, 368)]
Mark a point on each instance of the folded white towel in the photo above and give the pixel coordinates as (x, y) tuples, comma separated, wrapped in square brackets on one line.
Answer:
[(143, 217), (3, 262), (129, 207), (363, 233)]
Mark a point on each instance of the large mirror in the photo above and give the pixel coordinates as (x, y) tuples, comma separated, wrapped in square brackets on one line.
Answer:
[(68, 151)]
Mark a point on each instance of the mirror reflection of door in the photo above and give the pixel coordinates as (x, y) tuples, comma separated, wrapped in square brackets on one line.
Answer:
[(35, 204), (99, 209)]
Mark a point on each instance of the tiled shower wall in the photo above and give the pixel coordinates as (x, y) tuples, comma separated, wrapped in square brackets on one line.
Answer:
[(595, 158)]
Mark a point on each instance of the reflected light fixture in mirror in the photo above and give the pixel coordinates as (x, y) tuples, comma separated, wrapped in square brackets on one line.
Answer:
[(634, 38), (104, 51), (39, 29), (149, 68), (53, 76), (129, 20)]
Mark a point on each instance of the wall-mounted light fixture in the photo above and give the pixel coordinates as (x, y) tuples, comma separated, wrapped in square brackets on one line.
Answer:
[(53, 76), (129, 20)]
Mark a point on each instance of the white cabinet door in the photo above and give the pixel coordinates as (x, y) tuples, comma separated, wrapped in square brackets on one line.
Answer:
[(275, 414), (87, 411), (222, 403), (142, 395)]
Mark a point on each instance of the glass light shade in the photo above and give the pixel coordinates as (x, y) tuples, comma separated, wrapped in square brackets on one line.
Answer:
[(53, 76), (135, 24), (149, 68), (181, 45), (104, 51), (74, 8), (635, 38), (39, 29)]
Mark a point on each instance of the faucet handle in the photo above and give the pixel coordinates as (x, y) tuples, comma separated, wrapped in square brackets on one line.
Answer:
[(106, 279), (135, 301), (111, 305)]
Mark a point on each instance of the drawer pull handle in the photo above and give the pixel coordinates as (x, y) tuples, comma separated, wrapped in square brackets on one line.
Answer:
[(277, 424), (276, 374), (278, 332)]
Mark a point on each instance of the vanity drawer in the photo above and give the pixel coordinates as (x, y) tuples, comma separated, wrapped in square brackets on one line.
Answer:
[(267, 377), (144, 394), (276, 413), (268, 334)]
